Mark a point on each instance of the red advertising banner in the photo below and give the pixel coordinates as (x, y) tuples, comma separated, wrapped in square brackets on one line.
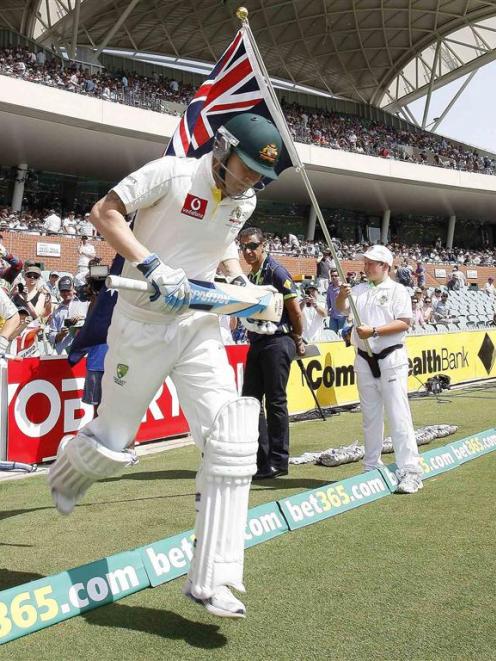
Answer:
[(44, 404)]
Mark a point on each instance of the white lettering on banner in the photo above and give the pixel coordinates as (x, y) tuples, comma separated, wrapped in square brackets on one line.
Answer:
[(26, 426), (263, 525), (176, 557), (71, 423), (68, 407)]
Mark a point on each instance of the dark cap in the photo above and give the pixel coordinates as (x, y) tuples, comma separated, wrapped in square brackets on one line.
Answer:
[(65, 283), (310, 285)]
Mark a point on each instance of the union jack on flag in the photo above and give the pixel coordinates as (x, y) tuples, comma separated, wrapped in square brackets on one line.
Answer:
[(232, 87)]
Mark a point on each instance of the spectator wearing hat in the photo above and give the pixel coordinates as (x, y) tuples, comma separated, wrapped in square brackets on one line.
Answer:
[(65, 316), (34, 296), (86, 254), (313, 313), (52, 286)]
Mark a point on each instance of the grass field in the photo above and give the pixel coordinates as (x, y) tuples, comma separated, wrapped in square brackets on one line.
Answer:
[(406, 577)]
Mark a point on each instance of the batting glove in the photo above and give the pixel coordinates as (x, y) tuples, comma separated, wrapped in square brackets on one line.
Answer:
[(171, 286), (259, 326)]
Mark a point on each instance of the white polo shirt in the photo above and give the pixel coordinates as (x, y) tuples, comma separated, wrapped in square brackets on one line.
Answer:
[(180, 217), (378, 305)]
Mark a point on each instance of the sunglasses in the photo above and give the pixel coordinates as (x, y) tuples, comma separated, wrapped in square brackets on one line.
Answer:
[(249, 246), (32, 275)]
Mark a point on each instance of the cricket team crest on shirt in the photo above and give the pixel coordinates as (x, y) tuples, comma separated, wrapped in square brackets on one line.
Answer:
[(237, 217), (194, 207), (121, 371), (383, 298)]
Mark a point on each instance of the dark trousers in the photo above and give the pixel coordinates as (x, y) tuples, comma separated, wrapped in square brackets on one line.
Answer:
[(266, 374)]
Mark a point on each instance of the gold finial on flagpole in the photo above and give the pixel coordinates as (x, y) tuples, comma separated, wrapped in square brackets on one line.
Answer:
[(242, 13)]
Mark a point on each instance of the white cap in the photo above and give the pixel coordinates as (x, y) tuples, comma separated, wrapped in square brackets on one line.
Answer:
[(379, 254)]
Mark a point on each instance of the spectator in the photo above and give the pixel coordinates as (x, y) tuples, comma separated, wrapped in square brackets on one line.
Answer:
[(457, 280), (33, 296), (52, 223), (66, 316), (427, 310), (52, 286), (418, 314), (442, 310), (313, 313), (489, 288), (337, 319), (420, 275), (86, 254), (324, 265), (404, 274), (436, 298)]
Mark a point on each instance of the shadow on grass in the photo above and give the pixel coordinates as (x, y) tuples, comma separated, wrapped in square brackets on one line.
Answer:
[(154, 475), (292, 483), (9, 578), (161, 623), (7, 514)]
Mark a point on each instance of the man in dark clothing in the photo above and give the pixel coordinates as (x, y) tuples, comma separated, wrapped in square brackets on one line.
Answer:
[(272, 348)]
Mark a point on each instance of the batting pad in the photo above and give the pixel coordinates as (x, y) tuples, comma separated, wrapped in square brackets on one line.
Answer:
[(80, 462), (230, 460)]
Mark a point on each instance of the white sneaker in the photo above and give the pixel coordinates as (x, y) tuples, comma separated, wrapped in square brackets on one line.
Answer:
[(409, 483), (222, 603)]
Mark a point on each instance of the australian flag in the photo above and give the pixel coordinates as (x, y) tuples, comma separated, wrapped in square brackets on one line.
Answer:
[(235, 85)]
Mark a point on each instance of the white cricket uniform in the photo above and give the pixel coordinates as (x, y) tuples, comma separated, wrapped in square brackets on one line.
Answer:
[(378, 306), (182, 219)]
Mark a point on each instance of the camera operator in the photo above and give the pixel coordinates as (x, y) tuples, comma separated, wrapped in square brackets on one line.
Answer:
[(66, 317), (313, 313)]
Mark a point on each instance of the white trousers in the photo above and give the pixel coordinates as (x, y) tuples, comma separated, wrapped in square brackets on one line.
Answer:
[(390, 393), (142, 355)]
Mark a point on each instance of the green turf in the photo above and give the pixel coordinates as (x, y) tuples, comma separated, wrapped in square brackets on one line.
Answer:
[(401, 578)]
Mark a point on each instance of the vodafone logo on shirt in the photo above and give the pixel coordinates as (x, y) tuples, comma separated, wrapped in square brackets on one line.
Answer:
[(194, 207)]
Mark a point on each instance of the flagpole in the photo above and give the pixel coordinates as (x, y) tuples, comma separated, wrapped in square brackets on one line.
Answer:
[(280, 121)]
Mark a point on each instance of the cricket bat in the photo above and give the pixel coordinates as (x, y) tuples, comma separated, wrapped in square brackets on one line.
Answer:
[(218, 297)]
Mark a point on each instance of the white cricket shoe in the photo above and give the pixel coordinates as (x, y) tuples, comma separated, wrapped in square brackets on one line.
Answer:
[(222, 603), (409, 483)]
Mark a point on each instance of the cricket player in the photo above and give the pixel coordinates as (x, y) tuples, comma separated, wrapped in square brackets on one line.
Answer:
[(385, 312), (189, 213)]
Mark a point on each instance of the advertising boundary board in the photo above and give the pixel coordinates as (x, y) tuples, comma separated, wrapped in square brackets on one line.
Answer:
[(43, 397), (38, 604)]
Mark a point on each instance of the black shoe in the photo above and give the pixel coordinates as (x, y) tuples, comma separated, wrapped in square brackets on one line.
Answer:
[(270, 474), (277, 472)]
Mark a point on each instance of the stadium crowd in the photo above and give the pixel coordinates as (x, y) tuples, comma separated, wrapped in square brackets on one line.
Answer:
[(320, 127), (52, 306), (53, 221)]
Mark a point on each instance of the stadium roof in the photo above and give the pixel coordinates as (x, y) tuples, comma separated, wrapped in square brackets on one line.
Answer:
[(353, 49)]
